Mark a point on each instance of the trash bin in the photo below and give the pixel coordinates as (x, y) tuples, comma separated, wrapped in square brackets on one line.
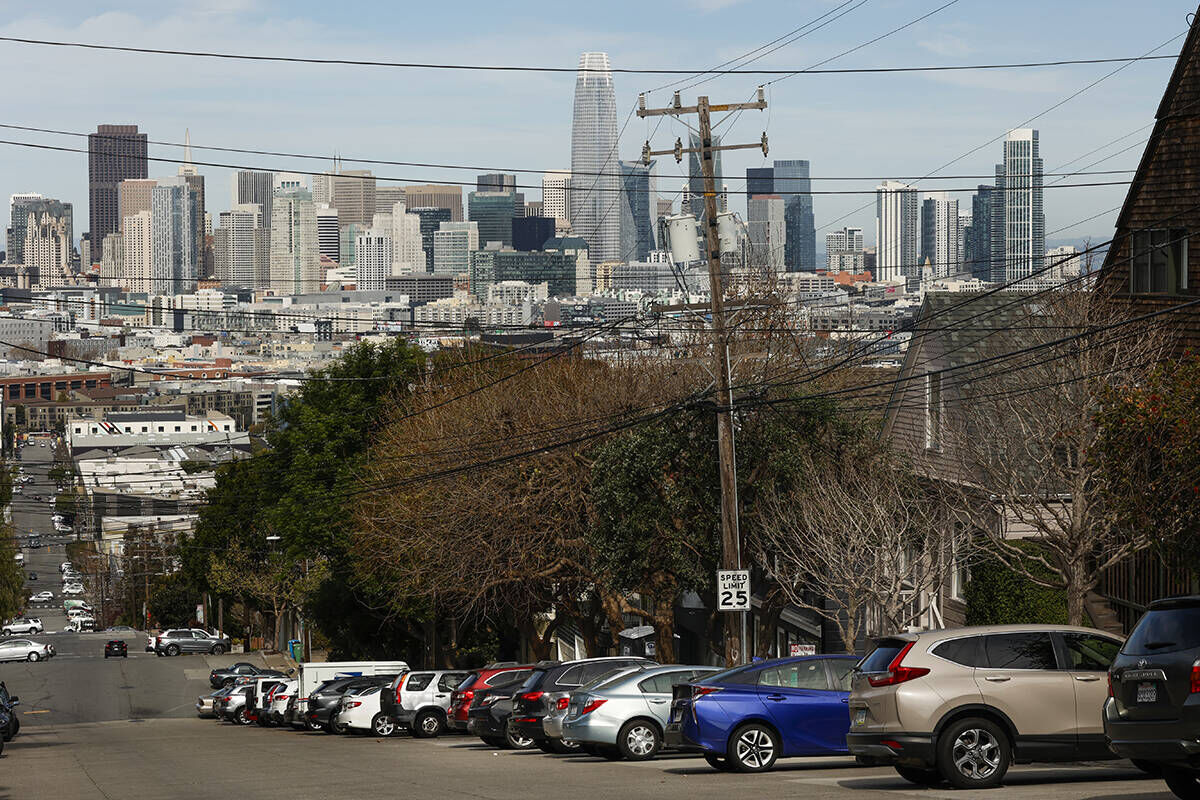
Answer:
[(637, 641), (294, 649)]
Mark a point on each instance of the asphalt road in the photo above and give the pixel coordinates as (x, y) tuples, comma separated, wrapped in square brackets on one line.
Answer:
[(31, 517)]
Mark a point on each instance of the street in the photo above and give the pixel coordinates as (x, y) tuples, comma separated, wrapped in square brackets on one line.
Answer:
[(32, 518)]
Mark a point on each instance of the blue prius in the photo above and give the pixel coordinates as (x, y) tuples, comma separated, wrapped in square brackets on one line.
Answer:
[(745, 718)]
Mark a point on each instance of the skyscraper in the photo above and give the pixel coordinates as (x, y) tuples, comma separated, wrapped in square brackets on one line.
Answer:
[(238, 251), (940, 234), (47, 251), (328, 234), (766, 221), (496, 182), (494, 213), (453, 244), (759, 180), (844, 251), (792, 181), (407, 253), (188, 171), (352, 193), (1017, 206), (431, 219), (897, 231), (977, 244), (174, 237), (556, 186), (435, 195), (595, 173), (133, 196), (637, 210), (138, 253), (373, 258), (386, 198), (532, 233), (23, 209), (255, 187), (295, 261), (115, 153)]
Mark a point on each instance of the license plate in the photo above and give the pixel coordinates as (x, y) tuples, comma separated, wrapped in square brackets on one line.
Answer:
[(860, 717), (1147, 693)]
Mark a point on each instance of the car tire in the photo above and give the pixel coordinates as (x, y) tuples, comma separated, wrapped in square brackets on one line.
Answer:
[(516, 741), (218, 650), (557, 747), (973, 753), (33, 657), (1184, 783), (1149, 767), (753, 748), (919, 776), (172, 649), (383, 725), (639, 740), (428, 725), (338, 728), (313, 725), (718, 762), (241, 717)]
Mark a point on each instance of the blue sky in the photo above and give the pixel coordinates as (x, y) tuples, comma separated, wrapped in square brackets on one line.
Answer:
[(876, 126)]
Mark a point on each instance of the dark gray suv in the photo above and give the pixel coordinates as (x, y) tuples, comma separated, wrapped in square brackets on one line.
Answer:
[(190, 640)]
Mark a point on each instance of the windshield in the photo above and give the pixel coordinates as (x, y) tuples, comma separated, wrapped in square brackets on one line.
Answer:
[(1165, 630)]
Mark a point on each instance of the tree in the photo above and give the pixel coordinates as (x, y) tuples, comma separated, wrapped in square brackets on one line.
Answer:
[(1025, 432), (276, 582), (172, 601)]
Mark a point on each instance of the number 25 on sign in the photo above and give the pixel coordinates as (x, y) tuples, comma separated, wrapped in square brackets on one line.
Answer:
[(733, 590)]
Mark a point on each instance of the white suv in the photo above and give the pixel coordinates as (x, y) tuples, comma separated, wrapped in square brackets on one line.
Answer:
[(25, 626)]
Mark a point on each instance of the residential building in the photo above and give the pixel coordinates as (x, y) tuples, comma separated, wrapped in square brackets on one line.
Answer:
[(1020, 236), (408, 254), (115, 153), (431, 220), (595, 174), (940, 235), (328, 233), (792, 181), (174, 237), (137, 253), (23, 209), (435, 196), (493, 212), (977, 237), (844, 251), (897, 231), (241, 254), (112, 260), (768, 232), (532, 233), (373, 257), (255, 187), (453, 244), (48, 246), (556, 194), (295, 259), (637, 209)]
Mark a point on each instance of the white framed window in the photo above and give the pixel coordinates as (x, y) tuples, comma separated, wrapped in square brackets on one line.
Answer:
[(934, 410)]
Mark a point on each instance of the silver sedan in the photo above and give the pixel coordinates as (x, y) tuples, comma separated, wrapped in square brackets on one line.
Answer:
[(24, 650), (625, 717)]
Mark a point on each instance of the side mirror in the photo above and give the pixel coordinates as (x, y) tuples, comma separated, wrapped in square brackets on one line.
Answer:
[(291, 672)]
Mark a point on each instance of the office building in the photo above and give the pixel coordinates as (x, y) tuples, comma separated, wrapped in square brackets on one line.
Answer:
[(977, 238), (595, 173), (133, 197), (373, 258), (897, 231), (533, 208), (239, 251), (940, 236), (556, 194), (435, 196), (453, 244), (1018, 219), (792, 181), (555, 268), (496, 182), (257, 188), (195, 181), (408, 256), (431, 220), (174, 237), (352, 193), (328, 233), (493, 212), (759, 180), (295, 261), (387, 196), (115, 153), (637, 207), (532, 233), (423, 287), (137, 253), (347, 239), (768, 232)]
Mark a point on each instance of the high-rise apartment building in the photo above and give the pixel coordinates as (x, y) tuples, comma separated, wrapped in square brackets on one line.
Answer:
[(239, 253), (175, 237), (408, 255), (138, 254), (328, 234), (556, 194), (1018, 218), (595, 172), (435, 196), (637, 211), (295, 260), (453, 244), (792, 181), (373, 258), (494, 213), (112, 260), (768, 232), (844, 251), (977, 238), (255, 187), (940, 241), (22, 210), (897, 231), (115, 153), (47, 251)]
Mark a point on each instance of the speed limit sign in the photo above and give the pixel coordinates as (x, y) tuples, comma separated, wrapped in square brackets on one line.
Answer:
[(733, 590)]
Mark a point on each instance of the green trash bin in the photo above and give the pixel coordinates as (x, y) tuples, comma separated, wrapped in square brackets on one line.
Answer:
[(295, 649)]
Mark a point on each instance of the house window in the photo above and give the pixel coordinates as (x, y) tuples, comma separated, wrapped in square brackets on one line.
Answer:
[(1160, 259), (933, 411)]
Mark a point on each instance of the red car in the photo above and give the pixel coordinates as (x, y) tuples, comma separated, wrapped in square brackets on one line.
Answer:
[(489, 677)]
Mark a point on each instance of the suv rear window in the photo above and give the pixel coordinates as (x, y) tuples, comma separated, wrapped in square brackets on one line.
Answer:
[(961, 651), (1020, 651), (417, 681), (505, 678), (1165, 630), (885, 653)]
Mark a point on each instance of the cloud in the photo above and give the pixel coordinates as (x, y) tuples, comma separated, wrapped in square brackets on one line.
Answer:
[(946, 45)]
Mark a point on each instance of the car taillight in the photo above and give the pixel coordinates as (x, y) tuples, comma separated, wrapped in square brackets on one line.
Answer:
[(592, 705), (281, 697), (563, 702), (1196, 677), (896, 673), (1110, 689), (701, 691), (354, 704), (467, 695), (531, 697)]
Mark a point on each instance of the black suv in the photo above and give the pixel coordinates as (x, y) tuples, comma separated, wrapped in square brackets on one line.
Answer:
[(1153, 711), (548, 690)]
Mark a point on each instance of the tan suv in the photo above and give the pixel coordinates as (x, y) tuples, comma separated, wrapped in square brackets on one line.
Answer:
[(964, 704)]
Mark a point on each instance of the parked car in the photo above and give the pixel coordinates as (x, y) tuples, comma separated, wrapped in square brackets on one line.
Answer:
[(420, 701), (488, 718), (73, 588), (361, 712), (962, 705), (746, 718), (259, 700), (314, 674), (23, 625), (231, 707), (189, 640), (116, 647), (280, 699), (323, 702), (206, 703), (225, 676), (1152, 714), (549, 687), (42, 597), (8, 703), (626, 714), (25, 650), (480, 680)]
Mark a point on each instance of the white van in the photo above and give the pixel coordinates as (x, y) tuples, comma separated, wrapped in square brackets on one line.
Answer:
[(81, 624), (314, 674)]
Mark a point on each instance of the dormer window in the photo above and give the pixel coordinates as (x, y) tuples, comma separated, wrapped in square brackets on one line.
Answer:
[(1160, 262)]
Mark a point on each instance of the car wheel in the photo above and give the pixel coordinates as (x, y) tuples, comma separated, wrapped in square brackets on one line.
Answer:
[(313, 725), (383, 725), (557, 747), (753, 748), (427, 725), (218, 649), (516, 741), (241, 717), (1184, 783), (639, 740), (338, 728), (921, 777), (973, 753), (172, 649), (718, 762), (34, 657), (1149, 767)]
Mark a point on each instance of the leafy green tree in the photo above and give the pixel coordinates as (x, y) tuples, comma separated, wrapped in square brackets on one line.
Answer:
[(997, 594), (172, 601)]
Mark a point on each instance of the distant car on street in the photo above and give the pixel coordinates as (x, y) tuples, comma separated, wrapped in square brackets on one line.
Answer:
[(25, 650), (73, 588), (26, 626), (114, 648), (190, 640), (43, 597)]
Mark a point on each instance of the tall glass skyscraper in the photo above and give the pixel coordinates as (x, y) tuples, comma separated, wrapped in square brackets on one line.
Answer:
[(1019, 221), (793, 183), (637, 210), (595, 171)]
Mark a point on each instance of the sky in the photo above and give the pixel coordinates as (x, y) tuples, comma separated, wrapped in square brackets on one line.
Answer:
[(865, 126)]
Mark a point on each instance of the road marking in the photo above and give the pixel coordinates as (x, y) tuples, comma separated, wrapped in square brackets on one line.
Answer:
[(43, 711)]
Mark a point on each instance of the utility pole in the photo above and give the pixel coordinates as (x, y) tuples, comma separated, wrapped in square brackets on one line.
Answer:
[(731, 550)]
